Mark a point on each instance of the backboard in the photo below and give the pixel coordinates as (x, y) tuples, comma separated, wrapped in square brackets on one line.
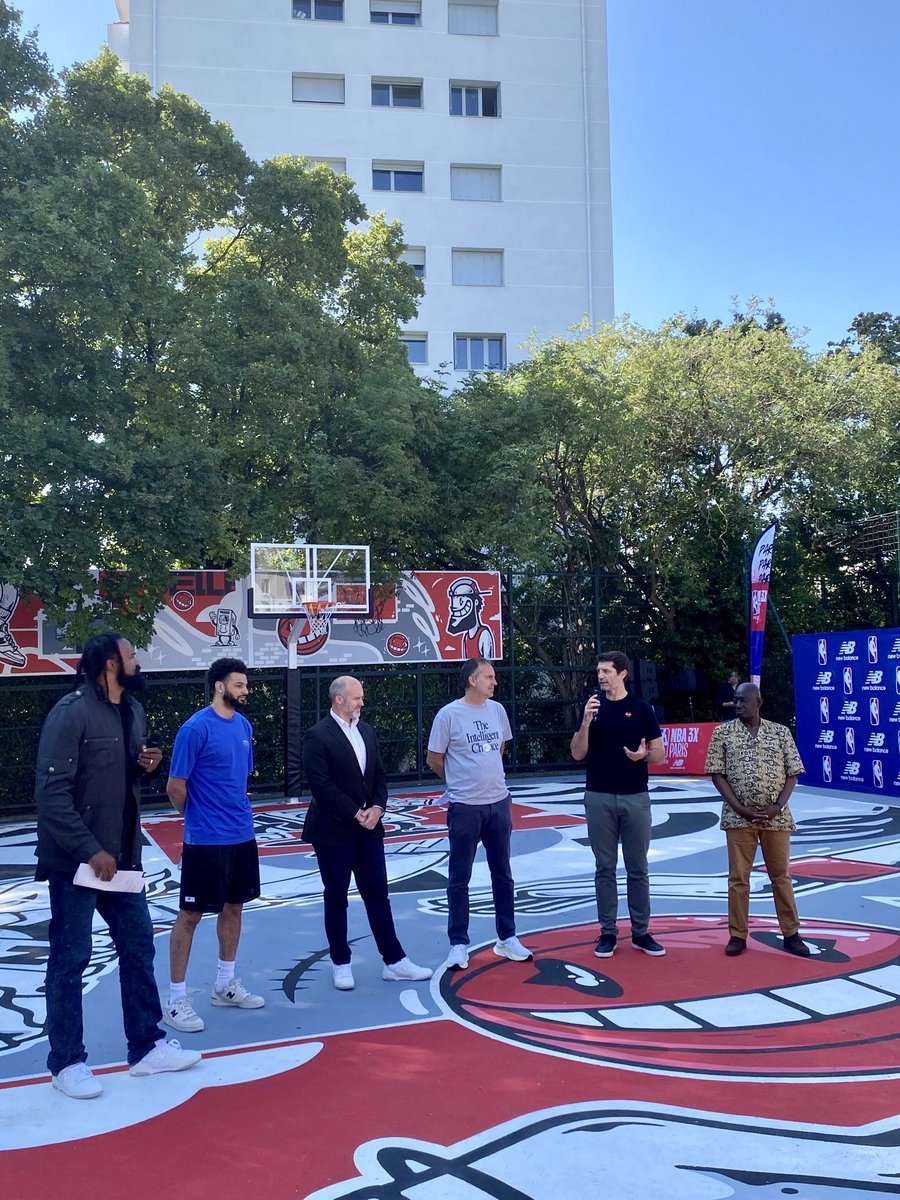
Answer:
[(285, 575)]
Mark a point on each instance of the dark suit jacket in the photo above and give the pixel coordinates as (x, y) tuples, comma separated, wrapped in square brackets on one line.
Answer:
[(339, 789)]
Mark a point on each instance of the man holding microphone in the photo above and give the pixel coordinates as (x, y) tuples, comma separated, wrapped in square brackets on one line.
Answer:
[(619, 736)]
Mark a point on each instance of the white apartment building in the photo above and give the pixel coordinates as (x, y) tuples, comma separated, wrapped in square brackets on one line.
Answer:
[(482, 125)]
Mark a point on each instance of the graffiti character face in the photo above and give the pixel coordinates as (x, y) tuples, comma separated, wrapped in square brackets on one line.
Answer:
[(832, 1015), (466, 604)]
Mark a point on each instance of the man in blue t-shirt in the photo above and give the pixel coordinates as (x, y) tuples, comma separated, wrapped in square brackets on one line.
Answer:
[(618, 736), (212, 758)]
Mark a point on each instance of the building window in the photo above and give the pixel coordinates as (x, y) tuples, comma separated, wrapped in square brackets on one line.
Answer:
[(415, 256), (479, 352), (318, 10), (416, 347), (337, 165), (478, 268), (318, 89), (395, 12), (398, 177), (474, 100), (397, 93), (472, 16), (474, 183)]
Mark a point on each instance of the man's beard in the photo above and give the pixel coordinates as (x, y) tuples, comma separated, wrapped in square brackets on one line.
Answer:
[(234, 702), (131, 683)]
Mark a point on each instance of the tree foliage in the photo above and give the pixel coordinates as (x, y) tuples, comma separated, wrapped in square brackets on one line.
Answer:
[(168, 396), (655, 458)]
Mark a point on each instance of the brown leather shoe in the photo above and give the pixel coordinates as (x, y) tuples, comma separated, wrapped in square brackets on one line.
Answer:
[(735, 947)]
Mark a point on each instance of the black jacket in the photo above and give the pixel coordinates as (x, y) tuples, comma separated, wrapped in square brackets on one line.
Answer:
[(339, 789), (80, 780)]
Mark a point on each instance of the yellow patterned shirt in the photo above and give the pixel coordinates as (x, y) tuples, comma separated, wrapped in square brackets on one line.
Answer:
[(757, 767)]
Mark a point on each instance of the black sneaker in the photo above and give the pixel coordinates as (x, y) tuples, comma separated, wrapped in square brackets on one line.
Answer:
[(649, 945), (606, 946), (735, 946), (796, 945)]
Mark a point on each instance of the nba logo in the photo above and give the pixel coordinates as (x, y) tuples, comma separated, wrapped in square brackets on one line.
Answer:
[(823, 652), (874, 710), (826, 768), (850, 740), (823, 709), (897, 678), (877, 773), (848, 681), (873, 649)]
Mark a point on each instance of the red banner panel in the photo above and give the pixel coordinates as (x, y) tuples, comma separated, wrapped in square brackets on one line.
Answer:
[(686, 747)]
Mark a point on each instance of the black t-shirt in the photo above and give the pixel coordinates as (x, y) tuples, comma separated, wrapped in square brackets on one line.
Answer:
[(619, 723)]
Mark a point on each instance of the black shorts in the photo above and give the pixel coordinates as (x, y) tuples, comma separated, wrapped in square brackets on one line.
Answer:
[(213, 876)]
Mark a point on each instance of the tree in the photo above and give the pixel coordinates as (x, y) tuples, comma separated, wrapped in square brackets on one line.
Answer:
[(25, 75), (880, 331), (654, 458), (164, 404)]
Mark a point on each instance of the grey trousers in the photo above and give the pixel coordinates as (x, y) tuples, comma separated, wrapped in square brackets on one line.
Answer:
[(612, 819)]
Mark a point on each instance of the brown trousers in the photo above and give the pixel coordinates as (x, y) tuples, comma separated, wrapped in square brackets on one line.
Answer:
[(775, 845)]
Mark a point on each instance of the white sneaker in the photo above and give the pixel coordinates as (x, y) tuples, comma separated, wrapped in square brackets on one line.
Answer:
[(10, 652), (458, 957), (78, 1082), (235, 995), (165, 1056), (343, 978), (513, 948), (404, 969), (181, 1016)]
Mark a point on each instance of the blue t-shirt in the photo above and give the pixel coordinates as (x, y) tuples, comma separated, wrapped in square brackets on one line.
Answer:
[(215, 755)]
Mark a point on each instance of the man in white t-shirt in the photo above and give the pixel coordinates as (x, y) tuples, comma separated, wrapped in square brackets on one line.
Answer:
[(466, 749)]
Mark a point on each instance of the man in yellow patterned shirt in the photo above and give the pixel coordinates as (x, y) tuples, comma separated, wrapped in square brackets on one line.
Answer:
[(754, 766)]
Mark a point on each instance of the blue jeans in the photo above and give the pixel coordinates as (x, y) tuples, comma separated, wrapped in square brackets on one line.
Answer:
[(490, 824), (71, 914), (612, 819)]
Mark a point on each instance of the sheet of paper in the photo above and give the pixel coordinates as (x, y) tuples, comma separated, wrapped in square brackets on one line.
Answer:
[(122, 881)]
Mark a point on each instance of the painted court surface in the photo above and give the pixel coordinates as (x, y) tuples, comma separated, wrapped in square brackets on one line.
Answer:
[(689, 1077)]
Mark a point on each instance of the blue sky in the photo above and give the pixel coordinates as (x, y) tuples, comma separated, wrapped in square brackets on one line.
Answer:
[(754, 152)]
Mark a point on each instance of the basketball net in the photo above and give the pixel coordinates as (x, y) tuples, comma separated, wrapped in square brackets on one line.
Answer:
[(319, 614)]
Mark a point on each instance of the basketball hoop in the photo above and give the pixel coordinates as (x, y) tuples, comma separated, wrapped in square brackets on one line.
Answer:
[(318, 613)]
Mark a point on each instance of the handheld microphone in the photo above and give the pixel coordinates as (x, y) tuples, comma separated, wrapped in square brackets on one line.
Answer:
[(598, 692)]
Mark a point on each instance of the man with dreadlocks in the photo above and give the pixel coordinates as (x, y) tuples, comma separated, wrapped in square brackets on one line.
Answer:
[(92, 751)]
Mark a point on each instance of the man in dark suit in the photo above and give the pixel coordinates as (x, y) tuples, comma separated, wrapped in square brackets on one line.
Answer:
[(349, 795)]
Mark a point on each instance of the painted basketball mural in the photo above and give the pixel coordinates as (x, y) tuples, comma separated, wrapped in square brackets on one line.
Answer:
[(682, 1078), (426, 616), (778, 1017)]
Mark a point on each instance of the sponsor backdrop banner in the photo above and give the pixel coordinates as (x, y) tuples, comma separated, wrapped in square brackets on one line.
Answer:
[(847, 688), (430, 616)]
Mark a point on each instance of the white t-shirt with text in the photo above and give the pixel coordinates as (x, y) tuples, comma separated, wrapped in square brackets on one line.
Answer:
[(470, 736)]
